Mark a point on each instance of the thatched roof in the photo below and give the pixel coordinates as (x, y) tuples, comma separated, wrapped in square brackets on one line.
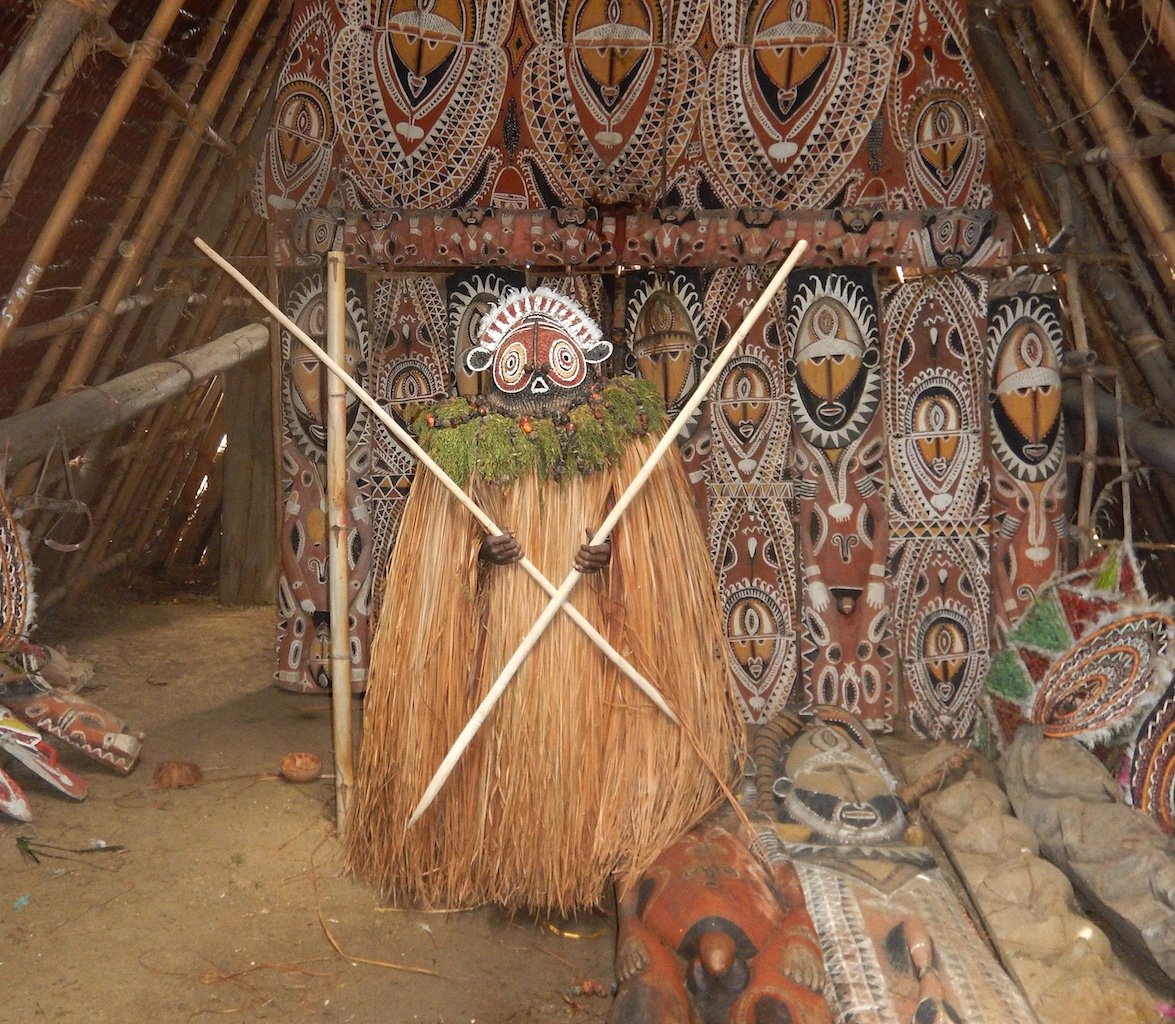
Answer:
[(1081, 122)]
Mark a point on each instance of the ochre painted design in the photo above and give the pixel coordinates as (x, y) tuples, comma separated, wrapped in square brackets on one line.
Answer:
[(793, 92), (934, 105), (417, 89), (939, 507), (665, 333), (303, 598), (711, 933), (409, 331), (1152, 763), (296, 170), (835, 393), (612, 94), (741, 450), (1024, 339), (17, 600)]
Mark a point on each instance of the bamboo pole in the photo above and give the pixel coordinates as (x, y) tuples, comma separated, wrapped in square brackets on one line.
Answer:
[(105, 38), (139, 189), (1057, 24), (1154, 304), (1089, 446), (1153, 116), (217, 209), (73, 192), (95, 410), (1161, 15), (35, 59), (1152, 442), (669, 438), (162, 199), (191, 453), (198, 497), (339, 525), (1010, 93), (37, 129), (69, 322), (410, 443)]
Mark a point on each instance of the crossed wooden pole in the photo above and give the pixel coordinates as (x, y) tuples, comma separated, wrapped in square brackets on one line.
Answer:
[(426, 460), (558, 597)]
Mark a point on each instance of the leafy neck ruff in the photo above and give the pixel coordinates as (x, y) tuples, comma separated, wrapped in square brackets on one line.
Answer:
[(468, 440)]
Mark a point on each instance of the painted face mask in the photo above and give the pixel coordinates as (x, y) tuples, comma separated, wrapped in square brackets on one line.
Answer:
[(838, 790), (538, 346)]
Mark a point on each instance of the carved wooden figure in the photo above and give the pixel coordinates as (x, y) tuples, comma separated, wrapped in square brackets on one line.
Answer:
[(709, 935)]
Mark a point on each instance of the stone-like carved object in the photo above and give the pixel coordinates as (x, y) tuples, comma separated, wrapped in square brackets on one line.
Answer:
[(1116, 855), (1063, 962), (897, 944)]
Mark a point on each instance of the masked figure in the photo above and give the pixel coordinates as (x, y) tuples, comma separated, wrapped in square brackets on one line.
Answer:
[(575, 773)]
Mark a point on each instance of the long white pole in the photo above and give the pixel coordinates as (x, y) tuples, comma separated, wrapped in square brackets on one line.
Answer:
[(339, 527), (670, 436), (409, 442)]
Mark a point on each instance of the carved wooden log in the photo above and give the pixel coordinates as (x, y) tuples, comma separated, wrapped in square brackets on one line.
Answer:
[(93, 410)]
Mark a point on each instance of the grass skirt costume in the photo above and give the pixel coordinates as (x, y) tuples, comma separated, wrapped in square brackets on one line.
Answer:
[(575, 775)]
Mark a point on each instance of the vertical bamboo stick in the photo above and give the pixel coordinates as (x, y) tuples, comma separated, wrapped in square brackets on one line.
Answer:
[(158, 207), (1085, 495), (1161, 15), (339, 525), (72, 193)]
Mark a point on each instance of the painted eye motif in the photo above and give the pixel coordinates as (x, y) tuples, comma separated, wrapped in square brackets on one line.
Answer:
[(510, 366), (567, 364)]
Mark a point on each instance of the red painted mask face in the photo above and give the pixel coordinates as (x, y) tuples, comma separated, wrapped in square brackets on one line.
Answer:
[(537, 346)]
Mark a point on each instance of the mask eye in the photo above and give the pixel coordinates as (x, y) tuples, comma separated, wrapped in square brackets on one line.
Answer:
[(567, 364), (510, 366)]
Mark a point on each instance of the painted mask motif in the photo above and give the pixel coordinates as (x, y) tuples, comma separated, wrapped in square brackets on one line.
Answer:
[(538, 346), (839, 789)]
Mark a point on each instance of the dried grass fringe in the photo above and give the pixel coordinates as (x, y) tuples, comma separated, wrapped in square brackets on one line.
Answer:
[(575, 776)]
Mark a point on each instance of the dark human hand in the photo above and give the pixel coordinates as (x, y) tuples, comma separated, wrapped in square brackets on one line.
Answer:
[(500, 550), (593, 557)]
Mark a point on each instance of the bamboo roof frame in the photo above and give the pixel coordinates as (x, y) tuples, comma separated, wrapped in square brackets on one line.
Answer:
[(1095, 152)]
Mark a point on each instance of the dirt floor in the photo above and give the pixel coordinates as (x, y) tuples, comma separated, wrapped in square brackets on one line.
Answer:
[(226, 901)]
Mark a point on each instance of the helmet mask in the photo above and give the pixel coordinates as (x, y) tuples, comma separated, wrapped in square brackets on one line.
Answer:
[(538, 346)]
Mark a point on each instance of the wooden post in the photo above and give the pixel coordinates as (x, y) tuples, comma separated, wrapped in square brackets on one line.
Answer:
[(93, 410), (339, 526), (73, 191)]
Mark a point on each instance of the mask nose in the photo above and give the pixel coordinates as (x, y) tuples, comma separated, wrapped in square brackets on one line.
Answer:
[(539, 386)]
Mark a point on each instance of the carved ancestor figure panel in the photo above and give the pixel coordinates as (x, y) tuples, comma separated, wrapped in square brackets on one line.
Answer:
[(410, 332), (835, 396), (793, 94), (611, 93), (933, 110), (939, 504), (1024, 339), (740, 451), (703, 104), (303, 660)]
